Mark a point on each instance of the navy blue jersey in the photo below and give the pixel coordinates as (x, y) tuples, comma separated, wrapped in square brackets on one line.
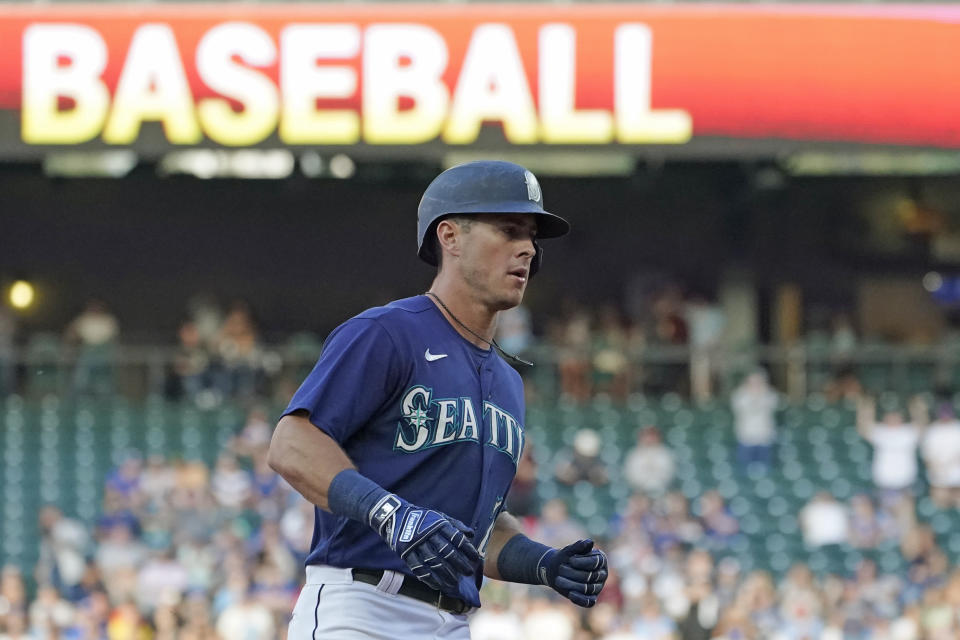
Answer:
[(422, 412)]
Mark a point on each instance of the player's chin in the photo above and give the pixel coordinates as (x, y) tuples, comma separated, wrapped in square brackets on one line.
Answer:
[(510, 299)]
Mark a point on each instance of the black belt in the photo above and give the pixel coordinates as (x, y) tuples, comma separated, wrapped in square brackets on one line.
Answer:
[(413, 588)]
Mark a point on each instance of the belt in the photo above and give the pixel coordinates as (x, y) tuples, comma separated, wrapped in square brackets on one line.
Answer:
[(413, 588)]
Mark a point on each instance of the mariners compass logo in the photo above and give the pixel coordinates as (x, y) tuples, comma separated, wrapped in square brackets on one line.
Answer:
[(533, 187)]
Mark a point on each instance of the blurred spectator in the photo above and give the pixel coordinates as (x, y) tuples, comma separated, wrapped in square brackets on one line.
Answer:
[(760, 599), (232, 486), (894, 443), (824, 521), (514, 331), (296, 526), (719, 525), (246, 618), (706, 321), (735, 624), (611, 366), (162, 578), (556, 525), (572, 342), (728, 579), (669, 329), (64, 544), (495, 622), (268, 488), (545, 619), (127, 623), (843, 383), (191, 363), (582, 463), (240, 354), (157, 480), (674, 525), (649, 467), (255, 436), (697, 608), (123, 483), (95, 332), (50, 614), (799, 595), (865, 528), (702, 612), (941, 454), (522, 500), (754, 404), (118, 552), (13, 595), (651, 623), (606, 623), (165, 622), (206, 315)]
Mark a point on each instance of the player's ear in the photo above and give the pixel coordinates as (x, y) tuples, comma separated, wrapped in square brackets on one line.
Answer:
[(448, 237)]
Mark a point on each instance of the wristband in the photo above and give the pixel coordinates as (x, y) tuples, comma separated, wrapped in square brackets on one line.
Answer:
[(354, 496), (520, 560)]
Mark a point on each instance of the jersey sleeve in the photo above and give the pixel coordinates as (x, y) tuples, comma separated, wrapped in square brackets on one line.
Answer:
[(356, 373)]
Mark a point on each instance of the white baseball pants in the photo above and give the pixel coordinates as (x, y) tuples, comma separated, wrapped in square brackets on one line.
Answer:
[(332, 606)]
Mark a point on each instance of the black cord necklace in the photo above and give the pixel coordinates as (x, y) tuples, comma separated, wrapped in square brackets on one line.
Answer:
[(509, 357)]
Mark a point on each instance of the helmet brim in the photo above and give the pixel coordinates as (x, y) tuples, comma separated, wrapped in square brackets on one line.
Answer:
[(549, 225)]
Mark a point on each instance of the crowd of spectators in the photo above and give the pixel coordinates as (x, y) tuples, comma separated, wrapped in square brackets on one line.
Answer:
[(179, 551), (218, 352), (662, 339), (670, 580), (183, 550), (186, 550)]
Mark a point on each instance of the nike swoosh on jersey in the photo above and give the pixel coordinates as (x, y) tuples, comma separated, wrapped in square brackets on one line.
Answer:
[(433, 356)]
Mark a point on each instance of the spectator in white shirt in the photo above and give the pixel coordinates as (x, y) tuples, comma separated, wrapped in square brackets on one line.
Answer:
[(894, 443), (649, 467), (941, 454), (248, 619), (754, 405), (824, 521)]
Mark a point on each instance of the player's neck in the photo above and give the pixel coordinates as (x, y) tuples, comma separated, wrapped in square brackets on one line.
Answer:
[(468, 310)]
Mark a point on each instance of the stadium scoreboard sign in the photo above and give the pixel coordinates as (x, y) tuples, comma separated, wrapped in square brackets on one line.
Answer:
[(432, 78)]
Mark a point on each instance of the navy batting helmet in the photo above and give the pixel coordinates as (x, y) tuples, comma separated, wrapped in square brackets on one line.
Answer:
[(487, 186)]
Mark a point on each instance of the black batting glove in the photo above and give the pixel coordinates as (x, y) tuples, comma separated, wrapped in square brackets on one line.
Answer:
[(577, 572)]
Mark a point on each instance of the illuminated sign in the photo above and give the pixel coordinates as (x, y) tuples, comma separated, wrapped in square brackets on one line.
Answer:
[(404, 98), (412, 75)]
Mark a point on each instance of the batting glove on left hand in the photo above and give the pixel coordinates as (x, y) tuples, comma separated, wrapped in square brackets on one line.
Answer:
[(577, 572), (435, 546)]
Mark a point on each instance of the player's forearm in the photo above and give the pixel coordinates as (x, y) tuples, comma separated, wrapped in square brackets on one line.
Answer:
[(306, 457), (505, 528)]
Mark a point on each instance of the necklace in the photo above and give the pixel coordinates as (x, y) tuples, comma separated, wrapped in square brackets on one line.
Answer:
[(509, 357)]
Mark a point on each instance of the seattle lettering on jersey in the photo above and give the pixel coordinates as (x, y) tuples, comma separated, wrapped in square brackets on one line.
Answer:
[(430, 423)]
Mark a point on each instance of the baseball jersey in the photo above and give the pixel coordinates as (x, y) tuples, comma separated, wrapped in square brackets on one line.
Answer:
[(422, 412)]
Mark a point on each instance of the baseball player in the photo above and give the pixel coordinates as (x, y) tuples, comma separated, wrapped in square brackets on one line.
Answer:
[(407, 433)]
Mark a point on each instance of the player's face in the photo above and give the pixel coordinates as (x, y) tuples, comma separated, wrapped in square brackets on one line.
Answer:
[(496, 256)]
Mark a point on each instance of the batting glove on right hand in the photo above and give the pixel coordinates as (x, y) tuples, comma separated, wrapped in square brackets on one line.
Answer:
[(436, 547), (577, 572)]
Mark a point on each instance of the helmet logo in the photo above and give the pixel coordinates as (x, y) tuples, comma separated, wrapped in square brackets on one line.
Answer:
[(533, 187)]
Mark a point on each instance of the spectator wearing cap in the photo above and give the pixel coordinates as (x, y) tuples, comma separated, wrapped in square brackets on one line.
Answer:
[(649, 467), (583, 463), (941, 455), (754, 405)]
